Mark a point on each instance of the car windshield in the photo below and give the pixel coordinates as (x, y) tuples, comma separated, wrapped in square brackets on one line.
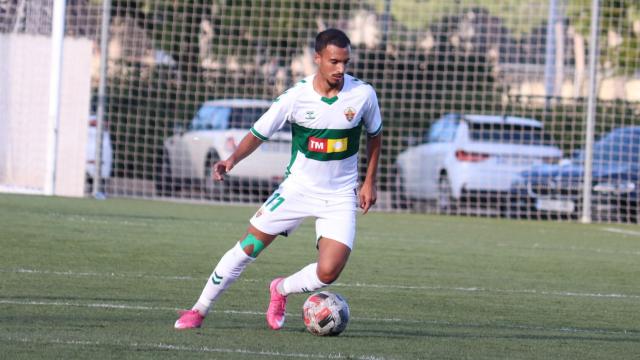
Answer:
[(223, 117), (211, 118), (508, 133), (618, 147)]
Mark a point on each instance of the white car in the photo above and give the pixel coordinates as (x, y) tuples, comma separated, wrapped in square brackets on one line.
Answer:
[(468, 156), (212, 135)]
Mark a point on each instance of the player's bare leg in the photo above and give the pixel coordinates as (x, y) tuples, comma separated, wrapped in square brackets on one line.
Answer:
[(332, 257)]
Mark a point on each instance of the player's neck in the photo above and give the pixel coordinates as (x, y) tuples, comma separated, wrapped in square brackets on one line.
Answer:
[(326, 89)]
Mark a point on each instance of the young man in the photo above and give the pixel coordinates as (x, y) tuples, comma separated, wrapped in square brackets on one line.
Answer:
[(327, 111)]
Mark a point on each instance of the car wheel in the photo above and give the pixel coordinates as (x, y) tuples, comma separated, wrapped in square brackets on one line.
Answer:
[(213, 190), (509, 208), (445, 201), (164, 181), (400, 199), (629, 211)]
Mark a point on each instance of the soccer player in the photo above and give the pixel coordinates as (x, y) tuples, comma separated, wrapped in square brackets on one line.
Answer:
[(327, 112)]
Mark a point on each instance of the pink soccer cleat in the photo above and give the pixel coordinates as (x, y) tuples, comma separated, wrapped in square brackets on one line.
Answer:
[(277, 306), (189, 319)]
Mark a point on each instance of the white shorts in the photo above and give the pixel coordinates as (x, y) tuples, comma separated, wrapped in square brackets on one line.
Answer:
[(287, 207)]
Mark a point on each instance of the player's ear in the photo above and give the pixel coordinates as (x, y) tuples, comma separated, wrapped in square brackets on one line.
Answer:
[(316, 58)]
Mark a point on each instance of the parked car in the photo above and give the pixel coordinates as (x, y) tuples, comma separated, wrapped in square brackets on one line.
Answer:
[(213, 134), (469, 157), (557, 190), (90, 154)]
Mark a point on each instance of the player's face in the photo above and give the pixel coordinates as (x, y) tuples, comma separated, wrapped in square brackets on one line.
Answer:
[(332, 64)]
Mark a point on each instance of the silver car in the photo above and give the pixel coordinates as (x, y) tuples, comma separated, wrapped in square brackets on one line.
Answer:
[(466, 156), (213, 134)]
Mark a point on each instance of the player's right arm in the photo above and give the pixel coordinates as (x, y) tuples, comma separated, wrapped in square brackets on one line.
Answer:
[(270, 122), (248, 145)]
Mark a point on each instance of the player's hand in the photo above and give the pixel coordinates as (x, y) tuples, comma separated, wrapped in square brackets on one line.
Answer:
[(368, 195), (221, 168)]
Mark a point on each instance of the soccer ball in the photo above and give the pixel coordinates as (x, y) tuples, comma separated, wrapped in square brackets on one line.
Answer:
[(325, 313)]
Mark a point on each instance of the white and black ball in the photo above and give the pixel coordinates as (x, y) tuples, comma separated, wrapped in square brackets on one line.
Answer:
[(325, 313)]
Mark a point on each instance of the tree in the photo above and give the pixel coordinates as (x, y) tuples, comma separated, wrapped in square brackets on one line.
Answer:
[(619, 38)]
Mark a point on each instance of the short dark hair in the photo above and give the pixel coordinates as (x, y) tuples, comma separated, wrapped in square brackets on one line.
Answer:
[(331, 37)]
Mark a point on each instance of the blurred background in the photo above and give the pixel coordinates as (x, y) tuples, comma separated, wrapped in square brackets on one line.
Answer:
[(519, 109)]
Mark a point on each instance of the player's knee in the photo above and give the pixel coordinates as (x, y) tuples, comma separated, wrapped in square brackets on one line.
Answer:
[(251, 245), (327, 276)]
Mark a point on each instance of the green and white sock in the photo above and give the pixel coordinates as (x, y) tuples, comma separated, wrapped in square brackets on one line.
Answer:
[(304, 281), (228, 270)]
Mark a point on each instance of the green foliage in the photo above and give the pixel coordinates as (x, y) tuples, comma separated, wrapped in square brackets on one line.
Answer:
[(156, 103), (616, 17), (519, 16), (240, 27)]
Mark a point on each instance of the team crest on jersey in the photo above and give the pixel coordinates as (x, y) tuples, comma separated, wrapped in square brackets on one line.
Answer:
[(349, 113)]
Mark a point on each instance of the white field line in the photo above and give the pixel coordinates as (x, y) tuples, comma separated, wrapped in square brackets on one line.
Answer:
[(480, 289), (537, 246), (95, 274), (115, 306), (344, 285), (366, 319), (196, 349), (621, 231)]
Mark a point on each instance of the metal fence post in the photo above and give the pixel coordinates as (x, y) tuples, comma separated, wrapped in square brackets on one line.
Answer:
[(550, 72), (591, 112), (57, 41), (104, 57)]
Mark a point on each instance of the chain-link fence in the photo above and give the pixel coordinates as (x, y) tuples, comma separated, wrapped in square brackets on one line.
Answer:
[(489, 107)]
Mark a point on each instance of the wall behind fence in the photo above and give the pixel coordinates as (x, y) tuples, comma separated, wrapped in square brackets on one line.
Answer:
[(24, 120)]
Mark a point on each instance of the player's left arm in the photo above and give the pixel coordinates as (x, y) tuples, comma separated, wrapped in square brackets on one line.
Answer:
[(373, 124), (368, 191)]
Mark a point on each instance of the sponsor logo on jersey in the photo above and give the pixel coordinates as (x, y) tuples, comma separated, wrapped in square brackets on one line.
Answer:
[(327, 145), (349, 113), (310, 115)]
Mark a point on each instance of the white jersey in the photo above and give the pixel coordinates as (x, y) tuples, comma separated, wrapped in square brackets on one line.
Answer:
[(325, 133)]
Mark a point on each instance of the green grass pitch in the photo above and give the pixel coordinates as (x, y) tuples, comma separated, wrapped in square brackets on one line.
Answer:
[(81, 278)]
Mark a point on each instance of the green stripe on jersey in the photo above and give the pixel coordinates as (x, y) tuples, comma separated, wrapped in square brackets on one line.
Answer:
[(329, 101), (258, 135), (300, 142), (375, 133)]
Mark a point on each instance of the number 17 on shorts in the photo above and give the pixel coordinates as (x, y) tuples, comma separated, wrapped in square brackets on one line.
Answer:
[(273, 202), (275, 218)]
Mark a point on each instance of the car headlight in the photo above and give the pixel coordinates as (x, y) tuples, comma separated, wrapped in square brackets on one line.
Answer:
[(615, 186)]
